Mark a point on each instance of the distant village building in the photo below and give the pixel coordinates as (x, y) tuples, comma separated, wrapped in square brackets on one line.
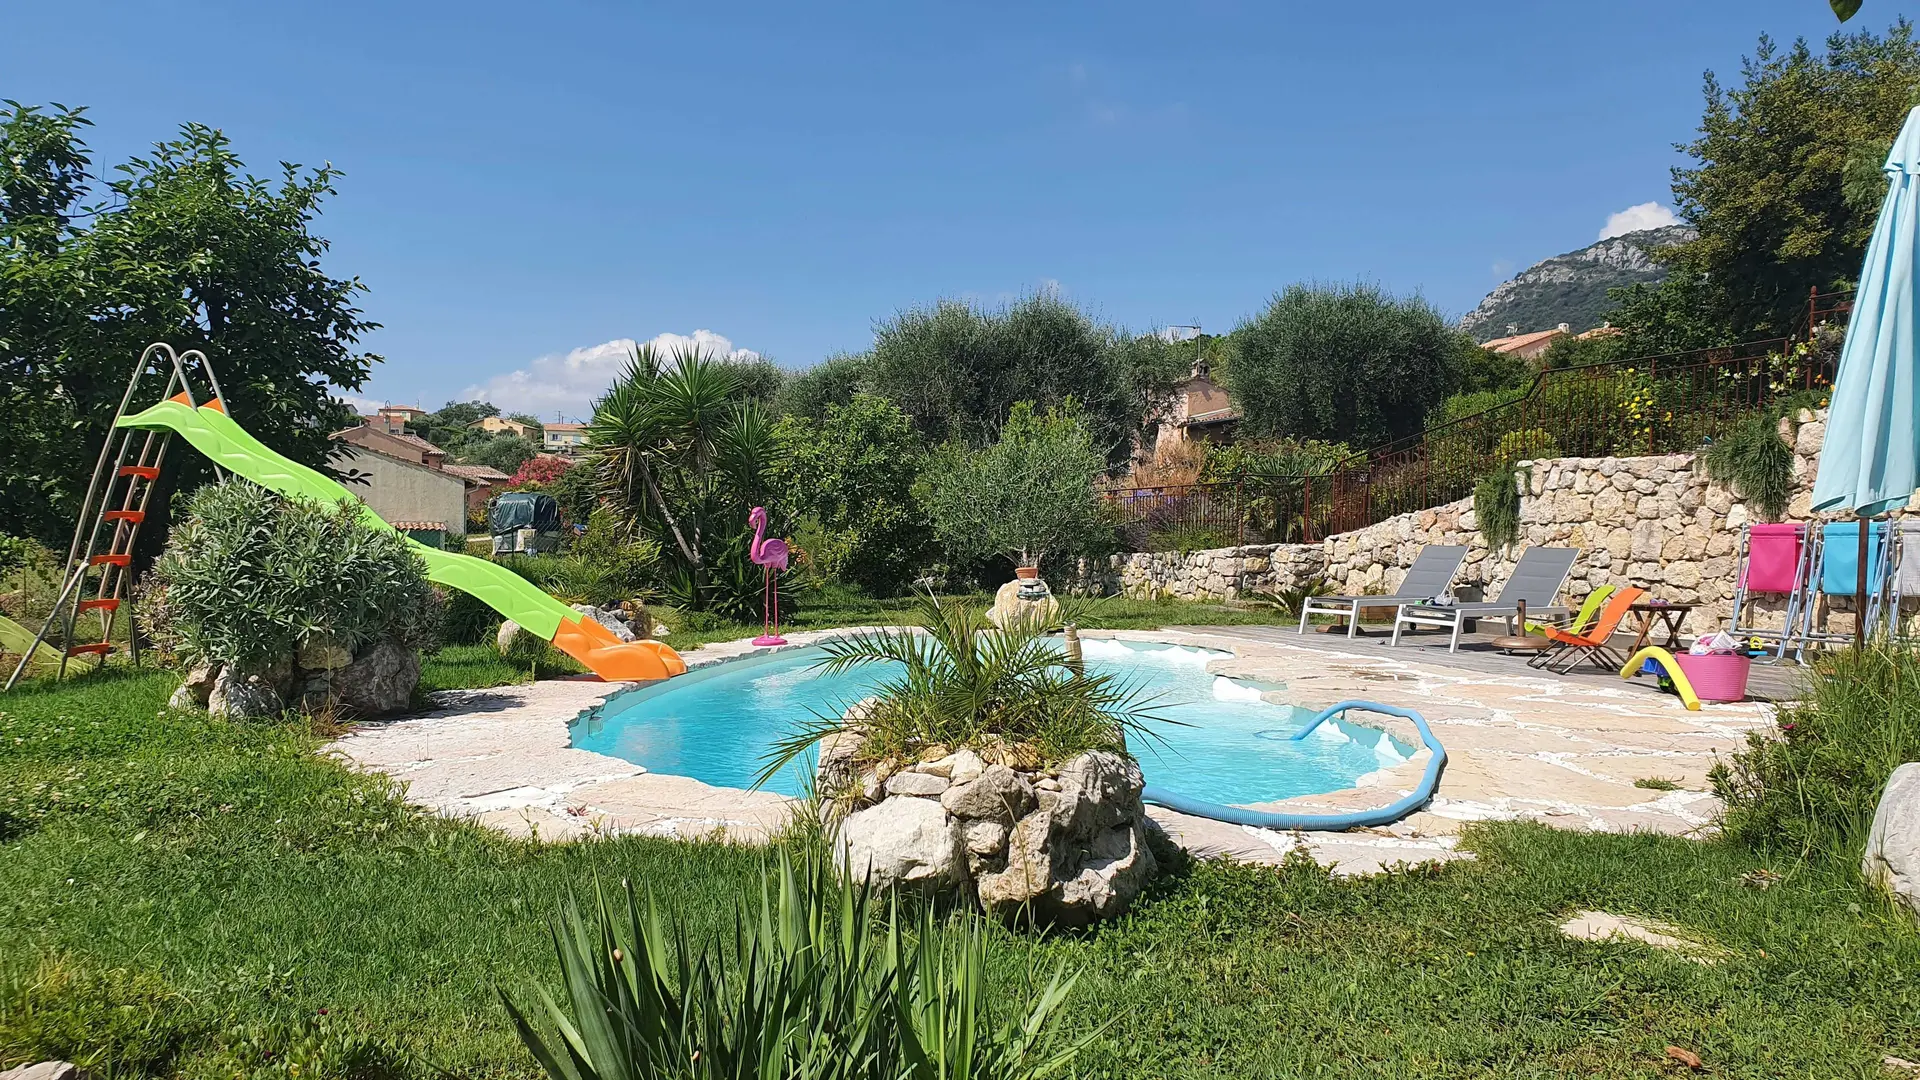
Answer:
[(494, 425), (564, 438), (394, 418), (1528, 346), (1199, 410)]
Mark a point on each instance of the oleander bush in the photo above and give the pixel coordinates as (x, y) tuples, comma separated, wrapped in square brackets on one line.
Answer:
[(250, 575)]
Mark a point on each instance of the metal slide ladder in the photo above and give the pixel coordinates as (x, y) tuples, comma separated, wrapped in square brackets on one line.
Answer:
[(99, 569)]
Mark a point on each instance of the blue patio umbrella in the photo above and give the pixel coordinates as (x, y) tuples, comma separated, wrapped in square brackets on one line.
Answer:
[(1870, 458)]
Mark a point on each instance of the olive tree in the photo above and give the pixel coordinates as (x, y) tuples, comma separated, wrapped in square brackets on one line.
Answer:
[(1027, 495)]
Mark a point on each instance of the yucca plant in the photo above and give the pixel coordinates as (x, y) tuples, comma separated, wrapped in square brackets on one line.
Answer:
[(962, 681), (814, 985)]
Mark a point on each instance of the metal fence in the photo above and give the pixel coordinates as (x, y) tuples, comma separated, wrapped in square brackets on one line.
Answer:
[(1646, 405)]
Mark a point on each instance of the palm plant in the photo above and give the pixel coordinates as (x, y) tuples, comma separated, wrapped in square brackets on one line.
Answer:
[(683, 453), (962, 681), (818, 986)]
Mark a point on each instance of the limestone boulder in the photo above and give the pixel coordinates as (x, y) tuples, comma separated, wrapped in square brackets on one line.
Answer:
[(1028, 874), (1098, 790), (1892, 860), (195, 688), (903, 842), (323, 653), (45, 1070), (1105, 876), (380, 681), (243, 697), (1000, 794), (609, 618), (923, 785), (1018, 600)]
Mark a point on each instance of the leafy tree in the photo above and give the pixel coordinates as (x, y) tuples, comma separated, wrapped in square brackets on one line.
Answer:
[(185, 247), (505, 451), (528, 419), (957, 369), (683, 454), (1152, 366), (1026, 496), (1768, 192), (853, 473), (760, 379), (833, 381), (1343, 363), (1679, 314), (451, 427)]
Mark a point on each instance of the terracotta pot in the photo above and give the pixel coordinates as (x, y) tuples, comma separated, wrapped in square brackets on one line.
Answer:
[(1026, 573)]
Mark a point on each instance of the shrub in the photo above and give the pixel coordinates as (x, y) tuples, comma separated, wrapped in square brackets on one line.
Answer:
[(1496, 504), (1811, 788), (541, 470), (250, 575), (1028, 495), (852, 473), (1526, 444), (816, 985), (963, 681), (1752, 460)]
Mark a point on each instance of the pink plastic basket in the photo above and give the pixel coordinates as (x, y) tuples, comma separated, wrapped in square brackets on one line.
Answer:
[(1721, 677)]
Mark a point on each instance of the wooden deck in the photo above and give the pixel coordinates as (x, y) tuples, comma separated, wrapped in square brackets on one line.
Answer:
[(1769, 682)]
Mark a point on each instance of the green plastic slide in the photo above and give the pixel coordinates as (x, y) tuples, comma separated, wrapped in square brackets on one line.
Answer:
[(212, 432)]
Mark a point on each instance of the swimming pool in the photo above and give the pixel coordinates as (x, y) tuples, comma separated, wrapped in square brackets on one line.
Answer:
[(715, 724)]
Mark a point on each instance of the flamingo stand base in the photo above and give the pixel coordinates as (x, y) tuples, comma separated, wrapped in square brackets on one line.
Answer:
[(769, 639)]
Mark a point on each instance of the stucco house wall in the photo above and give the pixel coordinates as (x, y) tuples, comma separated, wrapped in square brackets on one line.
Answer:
[(402, 491)]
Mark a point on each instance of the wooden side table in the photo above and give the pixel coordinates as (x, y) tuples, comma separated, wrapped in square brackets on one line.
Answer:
[(1668, 617)]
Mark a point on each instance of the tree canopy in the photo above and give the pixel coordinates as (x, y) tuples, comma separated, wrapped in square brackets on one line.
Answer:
[(184, 247), (1343, 363), (1767, 191)]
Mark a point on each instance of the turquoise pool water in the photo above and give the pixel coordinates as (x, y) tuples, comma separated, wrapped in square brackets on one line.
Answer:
[(716, 724)]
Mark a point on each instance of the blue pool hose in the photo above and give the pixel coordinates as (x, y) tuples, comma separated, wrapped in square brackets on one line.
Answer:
[(1358, 819)]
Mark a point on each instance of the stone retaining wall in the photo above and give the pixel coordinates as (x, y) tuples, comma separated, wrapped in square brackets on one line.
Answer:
[(1656, 522)]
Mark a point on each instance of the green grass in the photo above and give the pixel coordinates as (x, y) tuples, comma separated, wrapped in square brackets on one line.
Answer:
[(181, 895)]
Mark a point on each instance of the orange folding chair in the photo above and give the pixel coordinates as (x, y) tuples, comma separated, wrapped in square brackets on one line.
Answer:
[(1591, 643)]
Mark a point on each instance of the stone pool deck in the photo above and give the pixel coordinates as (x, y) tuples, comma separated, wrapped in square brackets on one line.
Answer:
[(1564, 751)]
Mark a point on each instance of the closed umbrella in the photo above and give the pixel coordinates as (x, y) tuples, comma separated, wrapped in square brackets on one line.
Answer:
[(1870, 459)]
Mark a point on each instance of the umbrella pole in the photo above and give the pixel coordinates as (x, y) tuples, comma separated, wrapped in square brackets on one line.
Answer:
[(1860, 592)]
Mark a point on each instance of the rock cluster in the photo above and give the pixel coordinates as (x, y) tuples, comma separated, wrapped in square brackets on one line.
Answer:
[(629, 621), (1657, 522), (1064, 845), (322, 677), (1892, 860), (1020, 600)]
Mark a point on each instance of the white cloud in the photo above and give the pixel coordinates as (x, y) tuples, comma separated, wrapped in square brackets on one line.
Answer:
[(568, 384), (1647, 215)]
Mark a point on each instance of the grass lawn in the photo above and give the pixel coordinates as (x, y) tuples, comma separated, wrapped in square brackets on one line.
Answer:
[(183, 895)]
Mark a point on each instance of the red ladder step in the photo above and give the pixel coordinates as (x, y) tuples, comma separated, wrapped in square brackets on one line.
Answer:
[(108, 604), (98, 648), (144, 472), (134, 516), (110, 560)]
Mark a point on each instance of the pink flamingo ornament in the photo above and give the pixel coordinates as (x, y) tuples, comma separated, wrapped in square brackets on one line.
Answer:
[(771, 557)]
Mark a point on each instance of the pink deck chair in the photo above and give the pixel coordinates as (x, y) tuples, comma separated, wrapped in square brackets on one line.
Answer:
[(1773, 559)]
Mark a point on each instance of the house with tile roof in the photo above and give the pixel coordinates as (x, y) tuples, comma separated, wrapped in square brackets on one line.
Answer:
[(1528, 346), (1198, 410)]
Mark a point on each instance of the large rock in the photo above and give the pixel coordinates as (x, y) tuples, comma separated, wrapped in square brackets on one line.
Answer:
[(321, 653), (1029, 870), (903, 842), (45, 1070), (195, 688), (380, 681), (1000, 794), (1018, 600), (1098, 790), (608, 618), (1100, 880), (1893, 845), (243, 697)]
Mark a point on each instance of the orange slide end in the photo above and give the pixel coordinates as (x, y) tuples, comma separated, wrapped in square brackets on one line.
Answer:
[(615, 660)]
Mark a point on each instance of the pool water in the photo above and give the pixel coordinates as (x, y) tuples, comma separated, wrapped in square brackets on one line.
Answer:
[(1228, 746)]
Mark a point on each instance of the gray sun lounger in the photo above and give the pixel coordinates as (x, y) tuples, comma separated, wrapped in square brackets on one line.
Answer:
[(1536, 579), (1430, 575)]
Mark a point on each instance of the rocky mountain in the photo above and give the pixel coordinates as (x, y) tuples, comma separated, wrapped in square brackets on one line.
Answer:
[(1572, 288)]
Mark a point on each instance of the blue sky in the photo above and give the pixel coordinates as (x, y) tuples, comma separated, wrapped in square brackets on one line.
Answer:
[(528, 183)]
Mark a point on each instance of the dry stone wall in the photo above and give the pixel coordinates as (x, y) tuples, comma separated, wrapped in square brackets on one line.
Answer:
[(1655, 522)]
